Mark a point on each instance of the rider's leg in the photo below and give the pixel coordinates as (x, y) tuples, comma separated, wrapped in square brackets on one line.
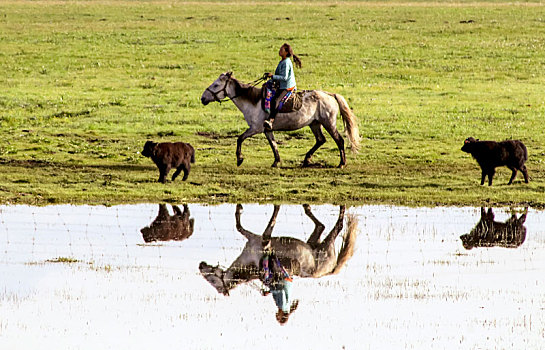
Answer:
[(274, 108)]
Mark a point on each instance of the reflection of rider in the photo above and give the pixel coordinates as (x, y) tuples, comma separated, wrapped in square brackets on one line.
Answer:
[(285, 76), (279, 283)]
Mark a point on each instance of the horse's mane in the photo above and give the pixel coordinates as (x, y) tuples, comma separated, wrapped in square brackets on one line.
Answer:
[(251, 92)]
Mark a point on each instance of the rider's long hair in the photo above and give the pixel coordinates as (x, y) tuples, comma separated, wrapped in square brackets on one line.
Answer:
[(296, 59)]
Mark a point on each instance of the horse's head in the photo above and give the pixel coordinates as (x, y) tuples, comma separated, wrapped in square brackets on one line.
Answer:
[(215, 276), (217, 91)]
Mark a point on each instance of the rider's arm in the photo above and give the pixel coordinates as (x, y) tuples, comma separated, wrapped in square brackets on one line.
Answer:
[(282, 71)]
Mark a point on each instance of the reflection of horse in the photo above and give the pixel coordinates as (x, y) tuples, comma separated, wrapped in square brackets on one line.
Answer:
[(169, 228), (311, 259), (319, 109), (490, 233)]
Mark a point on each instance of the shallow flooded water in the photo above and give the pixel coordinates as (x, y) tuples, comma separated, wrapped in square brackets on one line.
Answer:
[(128, 277)]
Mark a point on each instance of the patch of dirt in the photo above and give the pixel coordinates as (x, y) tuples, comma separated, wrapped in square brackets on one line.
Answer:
[(65, 114), (318, 166), (214, 136)]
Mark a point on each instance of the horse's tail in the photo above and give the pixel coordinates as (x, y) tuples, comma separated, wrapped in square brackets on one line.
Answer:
[(350, 123), (349, 242)]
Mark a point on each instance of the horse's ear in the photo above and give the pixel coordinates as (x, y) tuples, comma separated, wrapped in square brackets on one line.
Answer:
[(229, 74)]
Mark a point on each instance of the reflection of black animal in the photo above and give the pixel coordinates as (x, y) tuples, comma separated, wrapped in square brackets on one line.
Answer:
[(169, 228), (168, 155), (492, 154), (490, 233)]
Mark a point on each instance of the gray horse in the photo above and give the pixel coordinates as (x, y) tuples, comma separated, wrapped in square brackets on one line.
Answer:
[(319, 109), (311, 259)]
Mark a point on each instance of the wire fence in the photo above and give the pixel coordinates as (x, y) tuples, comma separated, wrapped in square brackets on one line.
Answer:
[(88, 277), (137, 235)]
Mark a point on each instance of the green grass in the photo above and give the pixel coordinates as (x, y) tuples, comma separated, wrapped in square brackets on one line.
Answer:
[(63, 260), (84, 84)]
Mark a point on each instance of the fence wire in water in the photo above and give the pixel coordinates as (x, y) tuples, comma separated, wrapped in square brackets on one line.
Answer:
[(132, 276)]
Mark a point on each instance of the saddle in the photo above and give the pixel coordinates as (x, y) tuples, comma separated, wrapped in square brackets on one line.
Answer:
[(292, 104)]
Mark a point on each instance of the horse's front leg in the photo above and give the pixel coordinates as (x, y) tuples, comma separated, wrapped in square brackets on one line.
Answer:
[(239, 227), (272, 142), (270, 227), (248, 133)]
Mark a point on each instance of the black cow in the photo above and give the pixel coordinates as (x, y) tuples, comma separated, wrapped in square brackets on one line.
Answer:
[(168, 227), (490, 233), (492, 154), (168, 155)]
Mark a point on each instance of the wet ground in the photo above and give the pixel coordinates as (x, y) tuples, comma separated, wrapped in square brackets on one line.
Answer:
[(127, 277)]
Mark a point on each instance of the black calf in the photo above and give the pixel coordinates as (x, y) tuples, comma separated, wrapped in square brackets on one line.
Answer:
[(492, 154)]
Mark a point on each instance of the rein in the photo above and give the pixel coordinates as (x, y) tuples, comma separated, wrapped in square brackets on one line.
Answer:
[(224, 90), (225, 286)]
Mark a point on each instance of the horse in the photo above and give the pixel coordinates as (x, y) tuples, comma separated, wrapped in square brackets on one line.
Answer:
[(310, 259), (319, 109)]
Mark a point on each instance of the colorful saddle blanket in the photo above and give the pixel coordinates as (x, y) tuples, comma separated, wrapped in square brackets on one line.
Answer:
[(293, 101)]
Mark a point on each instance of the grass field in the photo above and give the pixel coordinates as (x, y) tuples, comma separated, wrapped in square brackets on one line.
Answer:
[(84, 84)]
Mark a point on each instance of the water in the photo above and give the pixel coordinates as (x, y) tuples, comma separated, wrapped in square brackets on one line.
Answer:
[(84, 277)]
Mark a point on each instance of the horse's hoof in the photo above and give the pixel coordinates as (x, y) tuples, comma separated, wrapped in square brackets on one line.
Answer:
[(239, 161), (341, 166), (305, 164), (274, 165)]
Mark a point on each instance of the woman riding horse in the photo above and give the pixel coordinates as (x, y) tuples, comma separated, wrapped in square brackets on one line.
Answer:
[(285, 77), (319, 110)]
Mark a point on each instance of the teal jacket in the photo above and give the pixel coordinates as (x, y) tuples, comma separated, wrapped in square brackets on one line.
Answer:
[(284, 74)]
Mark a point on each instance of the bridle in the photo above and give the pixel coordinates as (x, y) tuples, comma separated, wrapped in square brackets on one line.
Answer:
[(221, 275), (224, 89), (222, 279)]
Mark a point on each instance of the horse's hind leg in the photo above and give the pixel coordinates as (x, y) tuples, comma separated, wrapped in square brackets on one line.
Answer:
[(319, 228), (320, 140), (272, 142), (329, 241), (332, 130), (326, 258)]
